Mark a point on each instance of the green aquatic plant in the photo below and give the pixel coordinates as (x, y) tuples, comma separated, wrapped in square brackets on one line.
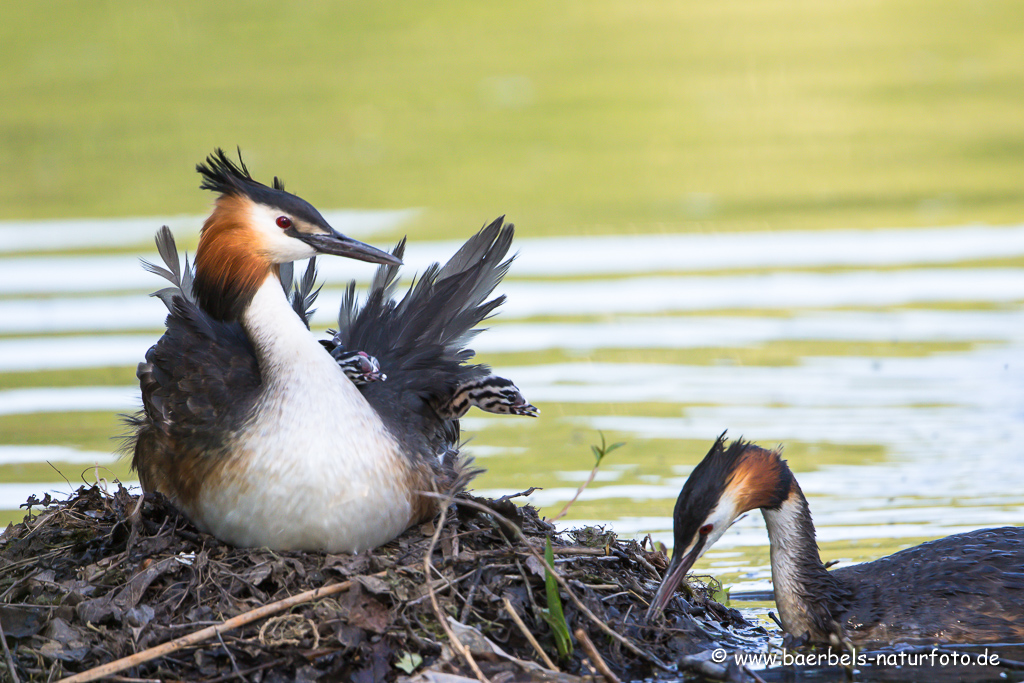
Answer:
[(553, 615)]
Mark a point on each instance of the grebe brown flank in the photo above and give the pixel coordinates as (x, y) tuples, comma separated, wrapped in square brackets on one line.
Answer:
[(253, 429), (967, 588)]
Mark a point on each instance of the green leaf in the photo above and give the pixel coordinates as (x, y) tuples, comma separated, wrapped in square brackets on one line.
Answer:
[(719, 593), (409, 662), (553, 615), (604, 449)]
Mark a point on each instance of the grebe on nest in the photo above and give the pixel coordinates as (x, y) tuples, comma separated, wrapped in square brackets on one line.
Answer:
[(967, 588), (254, 429)]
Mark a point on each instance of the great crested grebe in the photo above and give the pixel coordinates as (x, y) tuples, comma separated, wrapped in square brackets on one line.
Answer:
[(254, 430), (967, 588)]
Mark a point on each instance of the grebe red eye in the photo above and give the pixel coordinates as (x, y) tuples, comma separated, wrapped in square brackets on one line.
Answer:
[(284, 222), (706, 529)]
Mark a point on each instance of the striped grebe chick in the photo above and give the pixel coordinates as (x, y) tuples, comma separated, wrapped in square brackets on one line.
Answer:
[(359, 366), (491, 394)]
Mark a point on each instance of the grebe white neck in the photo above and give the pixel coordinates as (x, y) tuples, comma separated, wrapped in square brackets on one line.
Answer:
[(314, 466)]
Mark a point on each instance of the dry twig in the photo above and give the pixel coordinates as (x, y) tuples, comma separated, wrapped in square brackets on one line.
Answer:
[(428, 569), (562, 513), (510, 608), (231, 656), (7, 655), (564, 585), (595, 656), (207, 633)]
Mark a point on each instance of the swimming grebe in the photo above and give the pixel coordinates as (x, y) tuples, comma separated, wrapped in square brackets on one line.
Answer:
[(967, 588), (253, 429)]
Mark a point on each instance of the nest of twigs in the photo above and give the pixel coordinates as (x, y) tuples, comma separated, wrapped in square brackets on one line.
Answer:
[(95, 579)]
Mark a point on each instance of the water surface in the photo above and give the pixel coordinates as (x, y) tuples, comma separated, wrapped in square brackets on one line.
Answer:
[(885, 362)]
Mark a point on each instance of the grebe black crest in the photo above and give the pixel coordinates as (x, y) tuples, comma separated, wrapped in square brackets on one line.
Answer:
[(966, 588)]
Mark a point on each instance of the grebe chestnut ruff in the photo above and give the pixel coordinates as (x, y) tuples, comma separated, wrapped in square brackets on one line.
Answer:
[(966, 588), (251, 426)]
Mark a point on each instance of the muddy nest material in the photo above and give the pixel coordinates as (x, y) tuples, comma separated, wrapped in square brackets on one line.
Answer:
[(84, 582)]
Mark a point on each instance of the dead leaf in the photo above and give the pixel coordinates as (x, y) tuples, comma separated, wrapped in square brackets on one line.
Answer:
[(20, 621), (51, 649), (350, 636), (366, 612), (97, 609), (536, 567), (374, 584), (257, 574), (378, 664)]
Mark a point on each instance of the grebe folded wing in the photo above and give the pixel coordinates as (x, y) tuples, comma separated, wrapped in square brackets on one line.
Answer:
[(199, 380)]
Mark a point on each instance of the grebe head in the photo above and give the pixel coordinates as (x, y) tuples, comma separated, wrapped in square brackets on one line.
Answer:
[(724, 485), (499, 395), (253, 228)]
